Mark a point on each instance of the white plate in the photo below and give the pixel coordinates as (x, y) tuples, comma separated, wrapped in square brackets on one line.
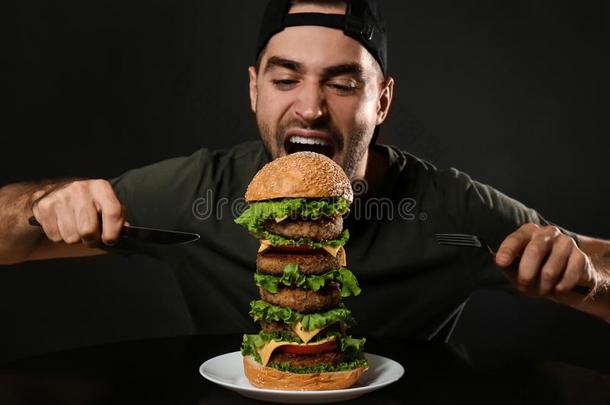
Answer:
[(228, 371)]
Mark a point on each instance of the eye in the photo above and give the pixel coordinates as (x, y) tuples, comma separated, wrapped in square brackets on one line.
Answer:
[(343, 86), (284, 84)]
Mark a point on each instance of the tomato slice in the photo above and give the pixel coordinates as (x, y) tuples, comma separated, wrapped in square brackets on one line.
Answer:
[(325, 347)]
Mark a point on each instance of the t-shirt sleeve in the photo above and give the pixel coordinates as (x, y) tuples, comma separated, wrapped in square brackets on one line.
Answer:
[(488, 213), (161, 195)]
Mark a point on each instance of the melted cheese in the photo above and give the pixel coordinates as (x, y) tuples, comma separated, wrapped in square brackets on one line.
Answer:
[(266, 351), (331, 250), (280, 219), (305, 335), (265, 244)]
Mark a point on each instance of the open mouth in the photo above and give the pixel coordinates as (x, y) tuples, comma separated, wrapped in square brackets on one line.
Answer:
[(298, 143)]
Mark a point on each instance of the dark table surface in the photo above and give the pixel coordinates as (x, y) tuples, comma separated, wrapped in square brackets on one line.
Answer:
[(165, 371)]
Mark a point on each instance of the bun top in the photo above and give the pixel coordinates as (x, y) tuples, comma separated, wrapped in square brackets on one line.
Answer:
[(300, 174)]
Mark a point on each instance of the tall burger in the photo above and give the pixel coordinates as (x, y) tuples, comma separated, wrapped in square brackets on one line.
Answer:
[(296, 208)]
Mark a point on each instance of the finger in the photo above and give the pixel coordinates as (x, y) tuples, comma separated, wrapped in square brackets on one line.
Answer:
[(555, 265), (574, 269), (112, 212), (47, 220), (588, 277), (513, 246), (531, 262), (88, 225), (66, 223)]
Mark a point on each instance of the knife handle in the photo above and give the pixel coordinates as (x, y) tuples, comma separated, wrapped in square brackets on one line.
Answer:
[(34, 222)]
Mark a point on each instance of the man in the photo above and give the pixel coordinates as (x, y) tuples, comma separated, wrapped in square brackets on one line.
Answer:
[(319, 84)]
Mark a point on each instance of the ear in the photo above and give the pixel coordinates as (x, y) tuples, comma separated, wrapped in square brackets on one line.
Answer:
[(385, 99), (253, 88)]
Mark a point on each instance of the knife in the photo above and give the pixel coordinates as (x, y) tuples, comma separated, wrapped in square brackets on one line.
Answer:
[(148, 235)]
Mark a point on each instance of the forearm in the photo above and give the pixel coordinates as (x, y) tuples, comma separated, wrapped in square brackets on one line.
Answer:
[(17, 238)]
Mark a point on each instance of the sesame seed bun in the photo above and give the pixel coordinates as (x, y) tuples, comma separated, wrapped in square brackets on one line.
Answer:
[(300, 174), (271, 378)]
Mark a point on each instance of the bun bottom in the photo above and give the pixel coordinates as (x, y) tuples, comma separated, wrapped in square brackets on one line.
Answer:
[(271, 378)]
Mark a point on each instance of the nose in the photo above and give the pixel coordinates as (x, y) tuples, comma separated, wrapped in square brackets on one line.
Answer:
[(310, 104)]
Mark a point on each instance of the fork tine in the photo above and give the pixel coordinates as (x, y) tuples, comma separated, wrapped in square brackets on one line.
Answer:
[(455, 235), (458, 239), (455, 243)]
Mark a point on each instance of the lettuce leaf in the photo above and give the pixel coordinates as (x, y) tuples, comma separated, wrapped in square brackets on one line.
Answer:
[(250, 343), (257, 213), (292, 277), (321, 368), (260, 309), (277, 240)]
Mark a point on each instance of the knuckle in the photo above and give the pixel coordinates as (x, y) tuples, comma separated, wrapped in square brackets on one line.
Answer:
[(77, 185), (71, 239), (101, 184), (548, 274), (550, 230), (535, 249), (44, 205), (53, 237), (565, 241), (524, 279), (528, 229), (114, 212), (64, 195)]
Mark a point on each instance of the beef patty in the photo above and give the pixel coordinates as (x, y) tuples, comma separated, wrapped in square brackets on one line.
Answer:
[(303, 300), (315, 262), (323, 228)]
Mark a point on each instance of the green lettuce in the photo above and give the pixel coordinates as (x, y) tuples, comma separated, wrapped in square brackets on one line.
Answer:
[(257, 213), (277, 240), (292, 277), (321, 368), (250, 343), (261, 310)]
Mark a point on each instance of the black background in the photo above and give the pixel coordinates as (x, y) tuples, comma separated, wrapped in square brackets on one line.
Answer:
[(510, 92)]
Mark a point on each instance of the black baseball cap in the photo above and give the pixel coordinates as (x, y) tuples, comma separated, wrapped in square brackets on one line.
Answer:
[(362, 21)]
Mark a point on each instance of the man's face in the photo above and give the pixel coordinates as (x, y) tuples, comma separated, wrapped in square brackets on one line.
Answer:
[(319, 90)]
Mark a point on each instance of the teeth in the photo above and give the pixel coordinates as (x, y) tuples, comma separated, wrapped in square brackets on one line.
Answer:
[(308, 141)]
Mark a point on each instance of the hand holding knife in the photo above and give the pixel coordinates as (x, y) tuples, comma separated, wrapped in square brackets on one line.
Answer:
[(148, 235)]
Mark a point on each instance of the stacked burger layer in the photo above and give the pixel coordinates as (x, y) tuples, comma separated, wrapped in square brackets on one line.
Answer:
[(296, 208)]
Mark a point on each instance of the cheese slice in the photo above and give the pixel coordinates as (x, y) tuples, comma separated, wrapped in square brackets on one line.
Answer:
[(265, 244), (280, 219), (331, 250), (267, 350), (305, 335)]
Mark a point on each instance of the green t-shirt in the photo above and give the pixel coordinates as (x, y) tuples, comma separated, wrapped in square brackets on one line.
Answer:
[(410, 285)]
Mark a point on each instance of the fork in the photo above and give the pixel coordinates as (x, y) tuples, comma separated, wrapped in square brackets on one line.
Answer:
[(462, 239)]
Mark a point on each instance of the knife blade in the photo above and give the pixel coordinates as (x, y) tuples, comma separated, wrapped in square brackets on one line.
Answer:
[(148, 235)]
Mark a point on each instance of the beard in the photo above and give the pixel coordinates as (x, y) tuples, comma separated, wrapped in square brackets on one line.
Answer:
[(348, 150)]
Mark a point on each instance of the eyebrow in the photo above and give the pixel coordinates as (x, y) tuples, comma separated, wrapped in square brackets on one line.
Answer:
[(328, 72), (279, 62), (343, 69)]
